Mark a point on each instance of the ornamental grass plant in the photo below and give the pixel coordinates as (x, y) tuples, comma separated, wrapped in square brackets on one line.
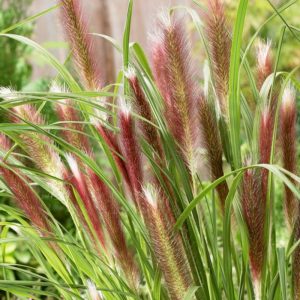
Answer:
[(171, 176)]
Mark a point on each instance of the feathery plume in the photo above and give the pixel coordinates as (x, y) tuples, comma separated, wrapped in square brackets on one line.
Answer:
[(177, 76), (213, 145), (23, 194), (288, 116), (111, 141), (92, 290), (264, 62), (41, 148), (79, 182), (167, 245), (254, 210), (130, 150), (75, 26), (296, 261), (67, 113), (265, 144), (8, 93), (160, 69), (74, 133), (143, 109), (217, 32), (110, 214)]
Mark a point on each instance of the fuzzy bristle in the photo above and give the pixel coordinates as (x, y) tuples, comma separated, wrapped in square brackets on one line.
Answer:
[(264, 62), (131, 151), (288, 137), (265, 144), (40, 147), (175, 78), (254, 210), (93, 292), (111, 141), (79, 181), (212, 142), (110, 214), (23, 194), (143, 109), (218, 34), (296, 261), (75, 26), (74, 130), (167, 245)]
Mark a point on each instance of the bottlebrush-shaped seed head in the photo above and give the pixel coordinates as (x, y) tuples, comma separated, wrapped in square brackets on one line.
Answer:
[(213, 145), (167, 245), (75, 26), (265, 144), (79, 181), (264, 62), (111, 141), (143, 109), (296, 262), (67, 113), (93, 292), (130, 150), (74, 131), (288, 137), (23, 194), (254, 210), (110, 214), (218, 35), (266, 134), (39, 146), (177, 78)]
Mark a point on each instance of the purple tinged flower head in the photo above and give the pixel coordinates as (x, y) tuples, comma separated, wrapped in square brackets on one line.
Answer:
[(74, 130), (167, 244), (218, 35), (110, 214), (254, 212), (111, 141), (24, 196), (264, 62), (265, 144), (213, 145), (130, 150), (175, 78), (79, 181), (288, 137), (143, 108), (75, 27)]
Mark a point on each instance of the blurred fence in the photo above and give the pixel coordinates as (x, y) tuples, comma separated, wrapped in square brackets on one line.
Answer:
[(105, 16)]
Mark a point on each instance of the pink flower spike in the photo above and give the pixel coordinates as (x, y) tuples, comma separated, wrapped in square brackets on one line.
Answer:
[(143, 109), (254, 210), (264, 62), (75, 26), (130, 150), (177, 77), (288, 137), (111, 141), (79, 182), (218, 34)]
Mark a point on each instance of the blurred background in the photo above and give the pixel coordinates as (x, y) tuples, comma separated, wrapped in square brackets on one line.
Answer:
[(108, 17)]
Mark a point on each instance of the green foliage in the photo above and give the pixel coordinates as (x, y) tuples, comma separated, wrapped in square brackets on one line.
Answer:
[(69, 262), (15, 68)]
